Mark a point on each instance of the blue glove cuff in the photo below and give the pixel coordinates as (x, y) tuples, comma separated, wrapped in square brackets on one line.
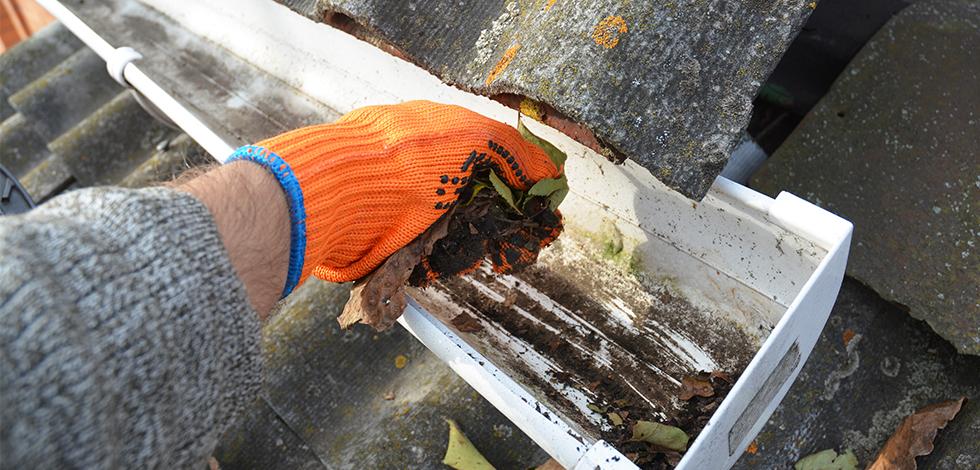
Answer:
[(294, 197)]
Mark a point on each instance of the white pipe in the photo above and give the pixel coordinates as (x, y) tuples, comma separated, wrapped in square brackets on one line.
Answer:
[(186, 120), (141, 83)]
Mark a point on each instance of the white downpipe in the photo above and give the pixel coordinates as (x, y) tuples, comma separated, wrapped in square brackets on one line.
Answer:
[(141, 83)]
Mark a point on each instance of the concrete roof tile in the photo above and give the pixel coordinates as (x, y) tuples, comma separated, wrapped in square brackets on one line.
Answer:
[(667, 84)]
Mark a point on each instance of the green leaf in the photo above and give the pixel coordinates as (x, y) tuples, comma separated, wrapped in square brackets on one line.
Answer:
[(548, 185), (503, 190), (477, 187), (556, 198), (828, 460), (557, 156), (461, 454), (555, 189), (661, 435)]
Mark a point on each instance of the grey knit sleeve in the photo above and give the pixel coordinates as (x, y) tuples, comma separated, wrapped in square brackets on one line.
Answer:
[(126, 340)]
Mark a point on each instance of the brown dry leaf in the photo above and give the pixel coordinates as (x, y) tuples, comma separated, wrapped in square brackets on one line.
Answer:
[(465, 323), (673, 458), (752, 448), (693, 386), (721, 375), (551, 464), (847, 336), (378, 299), (915, 435)]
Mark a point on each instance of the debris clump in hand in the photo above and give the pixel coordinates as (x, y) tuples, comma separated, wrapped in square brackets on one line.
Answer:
[(491, 221)]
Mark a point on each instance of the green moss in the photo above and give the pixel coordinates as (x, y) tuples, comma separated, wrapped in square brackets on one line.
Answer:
[(612, 246)]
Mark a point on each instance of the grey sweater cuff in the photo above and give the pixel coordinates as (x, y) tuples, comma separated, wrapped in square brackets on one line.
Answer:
[(126, 338)]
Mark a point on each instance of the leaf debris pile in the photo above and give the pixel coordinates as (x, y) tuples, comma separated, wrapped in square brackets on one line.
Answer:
[(492, 221)]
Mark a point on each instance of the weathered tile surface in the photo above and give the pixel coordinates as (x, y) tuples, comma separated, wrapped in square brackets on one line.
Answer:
[(872, 367), (329, 387), (668, 84), (30, 59), (893, 148)]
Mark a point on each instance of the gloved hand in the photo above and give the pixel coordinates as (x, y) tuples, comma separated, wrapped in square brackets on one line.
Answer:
[(363, 187)]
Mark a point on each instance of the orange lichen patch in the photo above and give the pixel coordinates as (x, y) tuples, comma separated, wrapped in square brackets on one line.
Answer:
[(550, 4), (607, 32), (848, 336), (401, 361), (752, 448), (532, 109), (502, 64)]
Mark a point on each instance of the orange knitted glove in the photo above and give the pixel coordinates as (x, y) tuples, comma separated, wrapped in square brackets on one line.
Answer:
[(363, 187)]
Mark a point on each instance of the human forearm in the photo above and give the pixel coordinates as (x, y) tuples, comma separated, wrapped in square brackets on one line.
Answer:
[(250, 212)]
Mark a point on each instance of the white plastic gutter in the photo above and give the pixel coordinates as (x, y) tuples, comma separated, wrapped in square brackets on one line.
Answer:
[(761, 385)]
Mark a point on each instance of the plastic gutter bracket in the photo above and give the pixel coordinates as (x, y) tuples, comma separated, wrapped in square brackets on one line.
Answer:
[(116, 64), (121, 66)]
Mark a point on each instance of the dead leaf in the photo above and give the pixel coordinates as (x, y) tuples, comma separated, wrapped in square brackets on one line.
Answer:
[(828, 460), (668, 437), (693, 386), (847, 336), (465, 323), (721, 375), (551, 464), (461, 454), (752, 448), (673, 458), (595, 408), (378, 299), (915, 435), (616, 419)]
